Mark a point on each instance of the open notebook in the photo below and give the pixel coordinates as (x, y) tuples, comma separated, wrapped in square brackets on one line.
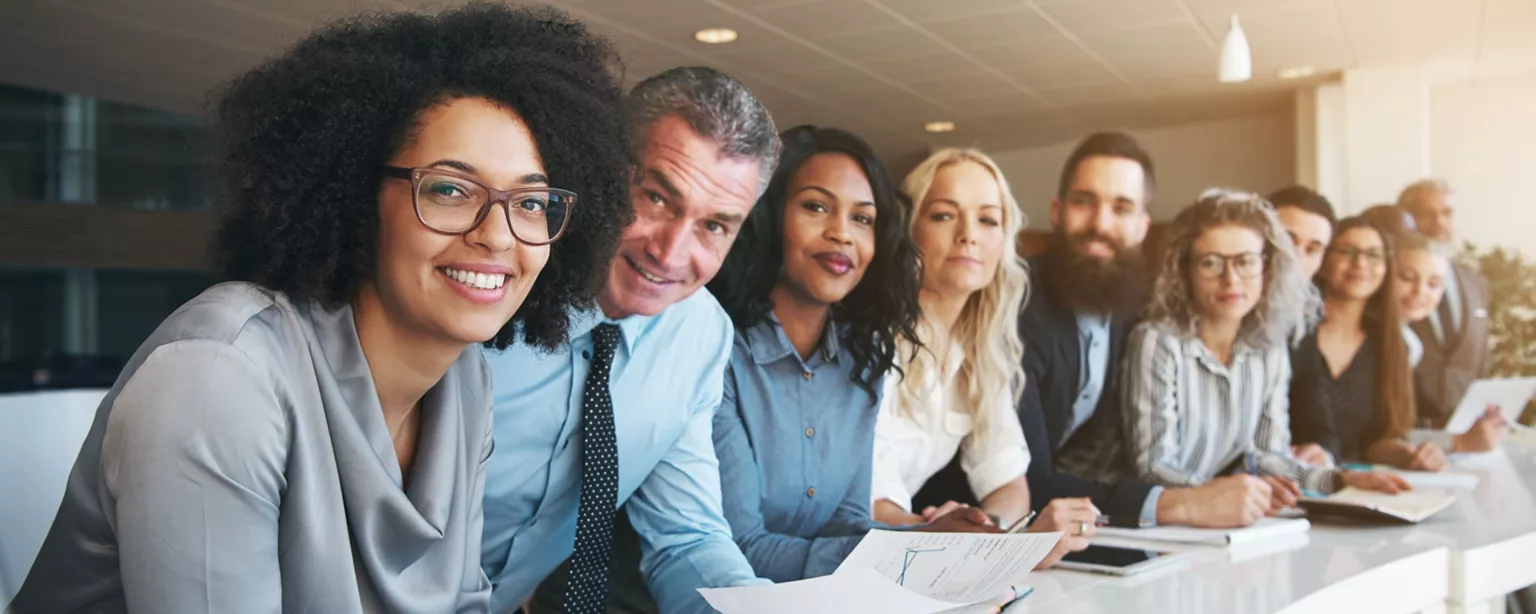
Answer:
[(1408, 507)]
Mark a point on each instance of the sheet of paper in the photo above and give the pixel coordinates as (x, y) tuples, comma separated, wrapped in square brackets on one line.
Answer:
[(1455, 480), (958, 567), (858, 591), (1510, 394), (1265, 528)]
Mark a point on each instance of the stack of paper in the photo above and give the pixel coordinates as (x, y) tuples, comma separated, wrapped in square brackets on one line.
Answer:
[(904, 572), (1266, 528), (1410, 507)]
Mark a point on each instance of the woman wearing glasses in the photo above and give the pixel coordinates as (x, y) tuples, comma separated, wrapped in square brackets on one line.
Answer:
[(1352, 392), (312, 437), (1207, 374)]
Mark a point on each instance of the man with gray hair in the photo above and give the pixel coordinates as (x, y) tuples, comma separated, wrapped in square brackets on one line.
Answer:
[(621, 415), (1455, 335)]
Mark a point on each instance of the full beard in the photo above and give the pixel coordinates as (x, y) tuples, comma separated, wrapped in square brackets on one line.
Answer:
[(1086, 284)]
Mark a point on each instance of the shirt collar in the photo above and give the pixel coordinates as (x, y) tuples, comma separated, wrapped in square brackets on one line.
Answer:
[(769, 343), (1241, 350), (631, 327)]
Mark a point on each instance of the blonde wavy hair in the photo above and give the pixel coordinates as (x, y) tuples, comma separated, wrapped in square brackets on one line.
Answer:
[(1289, 306), (987, 333)]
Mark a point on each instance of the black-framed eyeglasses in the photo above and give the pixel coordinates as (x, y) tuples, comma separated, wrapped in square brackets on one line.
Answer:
[(1247, 264), (1372, 257), (454, 204)]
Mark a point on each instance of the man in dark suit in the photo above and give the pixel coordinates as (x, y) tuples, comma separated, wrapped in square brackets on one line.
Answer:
[(1085, 291), (1455, 335)]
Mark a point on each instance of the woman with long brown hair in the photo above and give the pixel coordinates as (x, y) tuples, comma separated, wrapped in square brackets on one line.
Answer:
[(1352, 392)]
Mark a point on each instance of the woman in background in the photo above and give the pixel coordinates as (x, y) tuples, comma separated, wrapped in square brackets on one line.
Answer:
[(821, 283), (1422, 268), (958, 392), (313, 436), (1207, 373), (1352, 387)]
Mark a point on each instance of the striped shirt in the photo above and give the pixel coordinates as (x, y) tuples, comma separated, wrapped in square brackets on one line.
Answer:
[(1188, 418)]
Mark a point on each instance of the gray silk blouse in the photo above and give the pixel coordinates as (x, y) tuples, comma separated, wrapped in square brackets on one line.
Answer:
[(241, 464)]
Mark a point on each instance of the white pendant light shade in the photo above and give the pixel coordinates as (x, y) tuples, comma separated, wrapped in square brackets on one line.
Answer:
[(1236, 62)]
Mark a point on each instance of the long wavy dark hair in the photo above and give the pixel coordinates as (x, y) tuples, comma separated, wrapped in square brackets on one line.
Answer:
[(881, 308)]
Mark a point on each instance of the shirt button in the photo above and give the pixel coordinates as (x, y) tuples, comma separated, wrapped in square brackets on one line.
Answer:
[(810, 492), (806, 375), (809, 431), (587, 354)]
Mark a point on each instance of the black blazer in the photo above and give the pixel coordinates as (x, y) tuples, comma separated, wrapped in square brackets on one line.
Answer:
[(1052, 355), (1051, 359)]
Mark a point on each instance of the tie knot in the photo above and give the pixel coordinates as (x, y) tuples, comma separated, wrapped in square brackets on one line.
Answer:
[(605, 337)]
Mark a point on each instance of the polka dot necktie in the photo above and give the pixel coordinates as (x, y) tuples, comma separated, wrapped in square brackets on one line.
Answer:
[(587, 591)]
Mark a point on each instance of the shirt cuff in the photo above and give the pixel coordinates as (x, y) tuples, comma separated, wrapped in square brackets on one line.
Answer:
[(1321, 479), (1149, 508)]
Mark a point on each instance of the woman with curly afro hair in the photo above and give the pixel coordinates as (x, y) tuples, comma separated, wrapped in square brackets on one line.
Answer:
[(313, 435)]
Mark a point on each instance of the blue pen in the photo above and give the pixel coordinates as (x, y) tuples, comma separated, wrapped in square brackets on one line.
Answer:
[(1252, 463)]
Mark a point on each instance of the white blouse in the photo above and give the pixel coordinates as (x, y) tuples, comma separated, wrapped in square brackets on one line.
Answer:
[(913, 443)]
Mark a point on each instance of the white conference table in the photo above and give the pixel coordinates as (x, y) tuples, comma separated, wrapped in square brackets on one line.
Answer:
[(1464, 560)]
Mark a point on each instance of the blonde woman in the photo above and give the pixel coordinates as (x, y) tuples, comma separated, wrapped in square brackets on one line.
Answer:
[(1206, 376), (958, 392), (1422, 269)]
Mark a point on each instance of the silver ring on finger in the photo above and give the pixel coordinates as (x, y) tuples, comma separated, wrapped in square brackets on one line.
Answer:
[(1082, 528)]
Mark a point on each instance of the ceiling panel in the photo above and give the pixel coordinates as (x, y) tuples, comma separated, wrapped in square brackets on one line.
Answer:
[(828, 19), (1011, 55), (926, 68), (1090, 96), (1009, 72), (884, 44), (1063, 75), (996, 103), (980, 32), (932, 11), (1089, 15), (1178, 42)]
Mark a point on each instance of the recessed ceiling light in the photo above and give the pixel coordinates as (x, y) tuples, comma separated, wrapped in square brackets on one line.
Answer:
[(715, 36), (1296, 72), (939, 126)]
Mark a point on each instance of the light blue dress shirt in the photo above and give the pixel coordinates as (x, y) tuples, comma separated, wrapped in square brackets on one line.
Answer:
[(1093, 337), (1093, 369), (666, 383), (796, 440)]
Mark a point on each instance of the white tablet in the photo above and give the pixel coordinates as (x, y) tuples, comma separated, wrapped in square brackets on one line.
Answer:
[(1510, 394), (1115, 560)]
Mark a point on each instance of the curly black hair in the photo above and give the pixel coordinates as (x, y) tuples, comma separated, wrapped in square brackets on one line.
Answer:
[(300, 139), (881, 308)]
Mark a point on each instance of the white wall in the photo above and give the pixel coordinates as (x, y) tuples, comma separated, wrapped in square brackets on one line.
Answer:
[(1483, 141), (1254, 152)]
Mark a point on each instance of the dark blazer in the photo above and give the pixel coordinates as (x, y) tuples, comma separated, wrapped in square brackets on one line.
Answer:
[(1051, 359), (1052, 356), (1448, 369)]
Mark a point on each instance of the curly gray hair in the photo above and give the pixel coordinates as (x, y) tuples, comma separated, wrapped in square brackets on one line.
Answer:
[(716, 106), (1290, 305)]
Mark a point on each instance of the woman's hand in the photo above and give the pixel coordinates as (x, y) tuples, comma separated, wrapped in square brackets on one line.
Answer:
[(1379, 481), (1428, 457), (1076, 519), (932, 513), (1486, 434), (1283, 493), (962, 519)]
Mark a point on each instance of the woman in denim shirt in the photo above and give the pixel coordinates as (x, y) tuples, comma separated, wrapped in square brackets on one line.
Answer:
[(821, 282)]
